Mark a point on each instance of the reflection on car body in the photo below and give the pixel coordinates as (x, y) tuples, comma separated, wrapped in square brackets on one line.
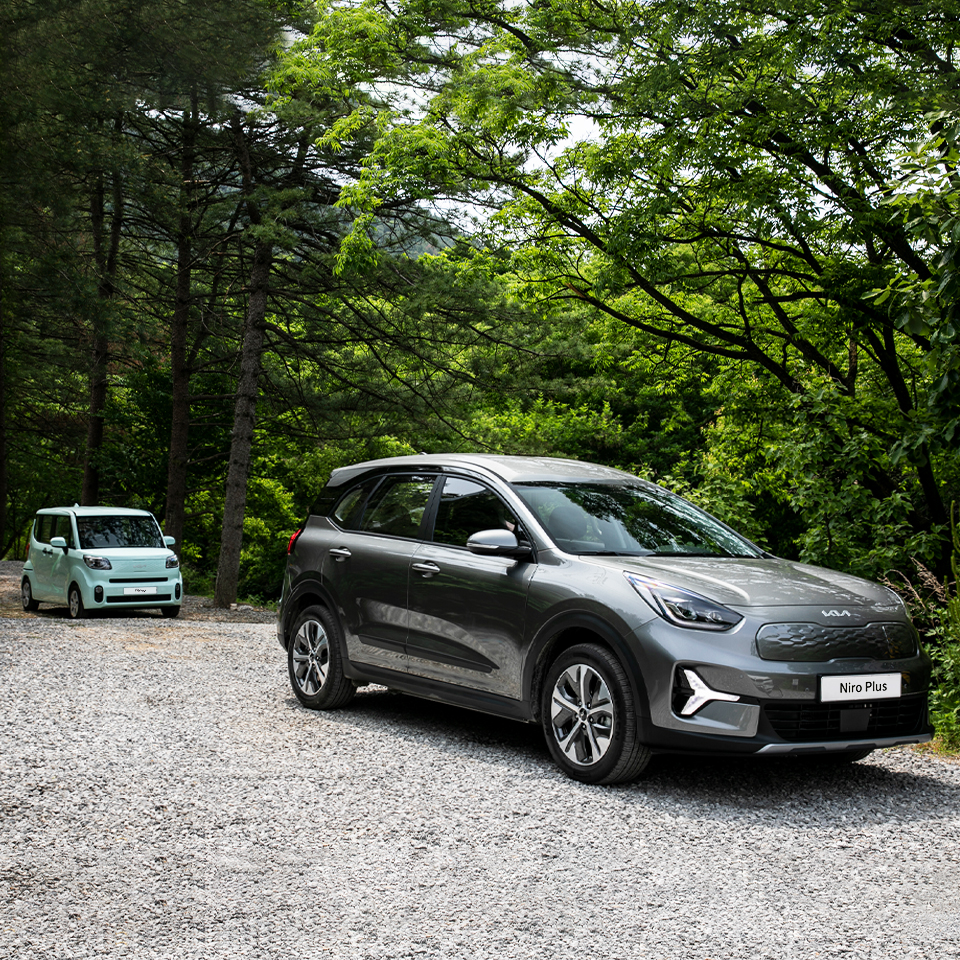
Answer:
[(623, 619)]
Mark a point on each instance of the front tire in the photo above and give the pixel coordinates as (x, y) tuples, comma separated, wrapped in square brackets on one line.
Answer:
[(26, 596), (589, 717), (75, 603), (315, 664), (170, 612)]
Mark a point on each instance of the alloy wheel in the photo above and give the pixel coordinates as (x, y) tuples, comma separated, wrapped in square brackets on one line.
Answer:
[(582, 714), (311, 657)]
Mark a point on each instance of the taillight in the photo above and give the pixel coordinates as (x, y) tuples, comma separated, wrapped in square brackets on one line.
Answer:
[(293, 540)]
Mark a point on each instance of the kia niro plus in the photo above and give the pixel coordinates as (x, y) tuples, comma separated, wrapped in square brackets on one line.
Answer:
[(621, 618)]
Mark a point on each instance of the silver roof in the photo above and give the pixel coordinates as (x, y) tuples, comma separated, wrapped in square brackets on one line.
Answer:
[(509, 468)]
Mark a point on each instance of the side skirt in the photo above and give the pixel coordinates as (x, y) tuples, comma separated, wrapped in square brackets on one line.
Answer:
[(441, 692)]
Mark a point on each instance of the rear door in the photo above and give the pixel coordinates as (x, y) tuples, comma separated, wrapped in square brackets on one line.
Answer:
[(467, 612), (367, 564)]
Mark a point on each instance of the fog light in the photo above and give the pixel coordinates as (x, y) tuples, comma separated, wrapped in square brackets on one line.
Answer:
[(98, 594), (702, 694), (176, 591)]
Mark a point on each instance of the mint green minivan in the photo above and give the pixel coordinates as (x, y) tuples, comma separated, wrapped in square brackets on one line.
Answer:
[(100, 558)]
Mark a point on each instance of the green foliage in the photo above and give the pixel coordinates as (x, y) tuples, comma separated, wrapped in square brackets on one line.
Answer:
[(711, 174), (945, 700)]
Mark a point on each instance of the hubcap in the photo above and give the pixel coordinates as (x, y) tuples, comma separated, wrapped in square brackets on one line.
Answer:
[(25, 595), (582, 715), (311, 657), (74, 603)]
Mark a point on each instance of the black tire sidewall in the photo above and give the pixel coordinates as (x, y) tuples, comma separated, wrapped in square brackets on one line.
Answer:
[(32, 603), (331, 694), (624, 720), (80, 608)]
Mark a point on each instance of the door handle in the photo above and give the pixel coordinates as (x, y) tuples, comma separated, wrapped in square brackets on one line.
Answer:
[(340, 554), (428, 569)]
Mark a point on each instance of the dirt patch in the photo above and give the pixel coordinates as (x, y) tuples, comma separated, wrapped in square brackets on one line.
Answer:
[(193, 608)]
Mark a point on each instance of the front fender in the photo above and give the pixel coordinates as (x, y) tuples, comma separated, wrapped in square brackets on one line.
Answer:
[(575, 626)]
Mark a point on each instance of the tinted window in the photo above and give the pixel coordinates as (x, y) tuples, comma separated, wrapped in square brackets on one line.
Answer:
[(63, 528), (623, 518), (43, 528), (349, 508), (397, 506), (467, 508), (118, 531)]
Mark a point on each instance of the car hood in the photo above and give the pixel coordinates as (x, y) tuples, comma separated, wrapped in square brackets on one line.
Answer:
[(760, 582)]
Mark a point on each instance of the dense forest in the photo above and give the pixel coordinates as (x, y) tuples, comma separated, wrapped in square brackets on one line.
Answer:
[(244, 242)]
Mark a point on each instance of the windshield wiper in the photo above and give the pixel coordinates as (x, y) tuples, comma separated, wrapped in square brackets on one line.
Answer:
[(686, 553), (615, 553)]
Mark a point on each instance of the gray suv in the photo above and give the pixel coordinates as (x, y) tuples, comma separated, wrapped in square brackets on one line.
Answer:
[(623, 619)]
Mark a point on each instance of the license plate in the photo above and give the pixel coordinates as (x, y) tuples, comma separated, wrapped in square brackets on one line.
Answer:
[(139, 591), (868, 686)]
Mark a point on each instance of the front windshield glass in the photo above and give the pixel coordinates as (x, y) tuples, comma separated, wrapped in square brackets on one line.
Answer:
[(108, 532), (623, 519)]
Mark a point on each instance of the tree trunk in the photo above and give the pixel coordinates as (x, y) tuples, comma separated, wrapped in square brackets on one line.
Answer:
[(241, 440), (3, 414), (174, 514), (105, 252)]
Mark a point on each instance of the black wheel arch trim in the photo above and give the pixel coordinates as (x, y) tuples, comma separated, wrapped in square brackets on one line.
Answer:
[(309, 585), (538, 658)]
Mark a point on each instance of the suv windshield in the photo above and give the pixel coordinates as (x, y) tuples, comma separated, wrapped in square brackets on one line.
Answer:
[(98, 533), (622, 519)]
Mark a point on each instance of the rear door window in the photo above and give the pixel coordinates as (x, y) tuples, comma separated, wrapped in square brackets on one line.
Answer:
[(398, 505)]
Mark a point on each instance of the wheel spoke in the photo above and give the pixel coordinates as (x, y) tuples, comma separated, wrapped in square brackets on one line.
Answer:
[(582, 714), (568, 744), (310, 657), (563, 709)]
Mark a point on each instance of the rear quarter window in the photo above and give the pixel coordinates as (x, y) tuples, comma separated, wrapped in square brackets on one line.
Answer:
[(349, 508)]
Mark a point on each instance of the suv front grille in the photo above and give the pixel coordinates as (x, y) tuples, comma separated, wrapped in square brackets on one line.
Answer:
[(811, 642), (805, 720)]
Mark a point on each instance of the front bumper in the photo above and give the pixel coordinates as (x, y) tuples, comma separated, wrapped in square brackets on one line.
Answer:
[(770, 706)]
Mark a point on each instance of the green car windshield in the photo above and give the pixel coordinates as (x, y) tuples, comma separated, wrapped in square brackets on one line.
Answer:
[(111, 532), (622, 519)]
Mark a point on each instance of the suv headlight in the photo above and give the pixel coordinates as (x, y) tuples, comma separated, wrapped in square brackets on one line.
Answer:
[(97, 563), (683, 607), (172, 561)]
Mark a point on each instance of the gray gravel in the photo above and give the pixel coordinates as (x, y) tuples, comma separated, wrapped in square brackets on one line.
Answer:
[(163, 795)]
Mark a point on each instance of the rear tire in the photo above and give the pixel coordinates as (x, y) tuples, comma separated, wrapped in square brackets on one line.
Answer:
[(315, 661), (26, 596), (589, 717)]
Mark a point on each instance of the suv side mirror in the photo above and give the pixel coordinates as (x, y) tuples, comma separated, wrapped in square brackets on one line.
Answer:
[(497, 543), (58, 542), (169, 541)]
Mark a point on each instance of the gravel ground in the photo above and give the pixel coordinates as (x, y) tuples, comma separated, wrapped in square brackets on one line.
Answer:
[(163, 795)]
